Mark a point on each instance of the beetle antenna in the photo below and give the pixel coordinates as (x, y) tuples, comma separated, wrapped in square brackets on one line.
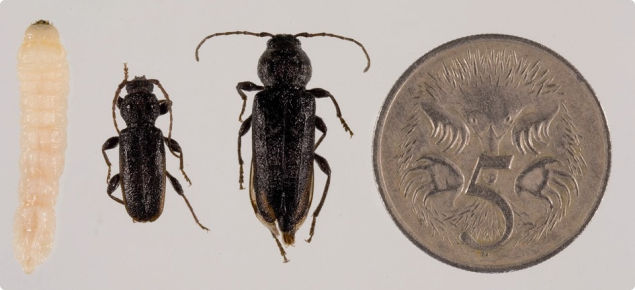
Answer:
[(261, 34), (305, 34), (117, 92), (167, 97)]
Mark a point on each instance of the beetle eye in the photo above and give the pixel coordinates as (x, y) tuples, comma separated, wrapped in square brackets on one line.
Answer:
[(473, 120)]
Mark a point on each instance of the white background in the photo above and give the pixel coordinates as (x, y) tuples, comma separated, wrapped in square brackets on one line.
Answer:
[(357, 245)]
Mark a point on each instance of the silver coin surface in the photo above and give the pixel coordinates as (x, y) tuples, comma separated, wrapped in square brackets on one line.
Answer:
[(491, 153)]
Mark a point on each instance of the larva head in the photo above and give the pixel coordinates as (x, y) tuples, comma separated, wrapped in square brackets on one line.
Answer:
[(284, 63), (43, 32), (140, 106)]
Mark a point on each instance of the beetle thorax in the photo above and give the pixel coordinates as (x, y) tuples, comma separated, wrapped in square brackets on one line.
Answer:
[(140, 108), (284, 63)]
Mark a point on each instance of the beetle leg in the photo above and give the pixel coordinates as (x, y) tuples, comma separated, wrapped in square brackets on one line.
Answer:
[(109, 144), (324, 166), (319, 124), (112, 186), (249, 87), (164, 106), (244, 128), (322, 93), (179, 189), (175, 147), (282, 251)]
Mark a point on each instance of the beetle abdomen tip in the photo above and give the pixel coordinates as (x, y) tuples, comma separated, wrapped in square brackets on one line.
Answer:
[(288, 238)]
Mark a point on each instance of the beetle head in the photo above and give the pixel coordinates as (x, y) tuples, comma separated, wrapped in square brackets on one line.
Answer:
[(139, 84), (284, 63), (140, 106)]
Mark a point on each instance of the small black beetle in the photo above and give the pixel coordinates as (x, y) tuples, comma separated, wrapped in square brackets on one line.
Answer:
[(142, 151), (283, 135)]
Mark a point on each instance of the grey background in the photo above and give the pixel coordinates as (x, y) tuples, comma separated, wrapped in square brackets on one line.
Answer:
[(357, 245)]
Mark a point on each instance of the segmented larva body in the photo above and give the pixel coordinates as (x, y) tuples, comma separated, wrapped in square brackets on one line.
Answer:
[(44, 85)]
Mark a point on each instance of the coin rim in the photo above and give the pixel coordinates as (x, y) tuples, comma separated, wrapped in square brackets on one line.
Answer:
[(381, 122)]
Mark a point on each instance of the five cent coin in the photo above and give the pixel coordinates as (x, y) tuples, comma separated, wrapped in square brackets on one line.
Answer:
[(491, 153)]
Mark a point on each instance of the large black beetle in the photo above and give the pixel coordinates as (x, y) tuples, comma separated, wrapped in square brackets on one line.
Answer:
[(283, 135)]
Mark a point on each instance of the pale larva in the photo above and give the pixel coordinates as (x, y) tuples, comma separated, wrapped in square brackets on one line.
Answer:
[(43, 74)]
